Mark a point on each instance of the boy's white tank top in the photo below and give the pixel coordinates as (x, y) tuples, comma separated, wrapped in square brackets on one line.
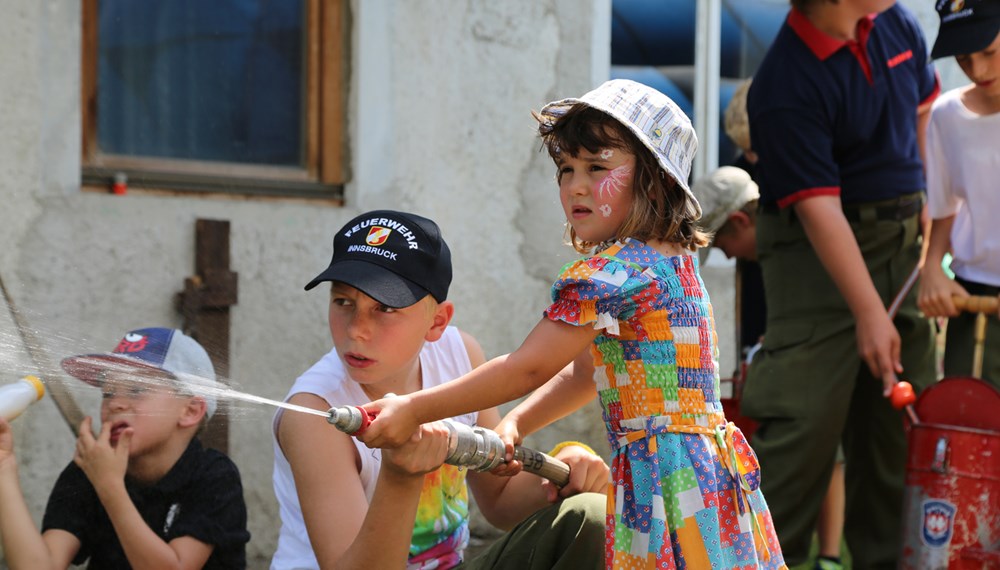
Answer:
[(440, 362)]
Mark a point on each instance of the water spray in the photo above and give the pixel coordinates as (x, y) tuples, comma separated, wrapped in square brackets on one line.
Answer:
[(476, 448), (57, 387)]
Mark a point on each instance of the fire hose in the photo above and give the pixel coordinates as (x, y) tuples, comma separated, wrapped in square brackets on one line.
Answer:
[(476, 448)]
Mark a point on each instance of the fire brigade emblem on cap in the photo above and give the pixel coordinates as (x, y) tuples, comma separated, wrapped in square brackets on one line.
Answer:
[(967, 26), (393, 257), (652, 116)]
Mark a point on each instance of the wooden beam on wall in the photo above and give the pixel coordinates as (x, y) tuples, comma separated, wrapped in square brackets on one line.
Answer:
[(204, 304)]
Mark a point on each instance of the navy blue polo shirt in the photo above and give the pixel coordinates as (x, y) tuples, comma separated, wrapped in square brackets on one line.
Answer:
[(838, 118)]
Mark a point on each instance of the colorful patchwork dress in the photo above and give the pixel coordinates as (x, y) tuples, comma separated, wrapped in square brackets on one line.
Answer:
[(684, 489)]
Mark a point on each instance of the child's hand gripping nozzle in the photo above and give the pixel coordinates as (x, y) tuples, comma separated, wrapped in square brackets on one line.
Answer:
[(476, 448)]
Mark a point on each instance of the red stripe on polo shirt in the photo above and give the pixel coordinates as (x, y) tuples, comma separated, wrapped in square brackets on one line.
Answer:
[(934, 94), (823, 45), (808, 193), (898, 59)]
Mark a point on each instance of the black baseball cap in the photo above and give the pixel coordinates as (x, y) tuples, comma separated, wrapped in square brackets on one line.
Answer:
[(394, 257), (967, 26)]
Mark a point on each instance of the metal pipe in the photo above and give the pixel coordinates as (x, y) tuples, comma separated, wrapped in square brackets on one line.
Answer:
[(476, 448), (707, 61)]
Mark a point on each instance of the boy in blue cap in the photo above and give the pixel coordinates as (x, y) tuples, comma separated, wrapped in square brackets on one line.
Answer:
[(144, 492)]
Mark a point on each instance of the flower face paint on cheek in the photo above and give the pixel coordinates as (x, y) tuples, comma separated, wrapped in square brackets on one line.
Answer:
[(614, 182), (605, 210)]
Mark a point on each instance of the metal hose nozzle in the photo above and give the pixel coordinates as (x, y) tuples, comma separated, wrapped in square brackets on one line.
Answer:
[(477, 448), (474, 447), (348, 419)]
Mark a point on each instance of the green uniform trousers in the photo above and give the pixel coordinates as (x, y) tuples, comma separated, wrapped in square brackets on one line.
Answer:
[(810, 390), (567, 535), (960, 340)]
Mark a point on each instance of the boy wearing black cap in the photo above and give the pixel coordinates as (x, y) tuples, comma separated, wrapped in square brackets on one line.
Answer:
[(963, 154), (144, 493), (345, 505)]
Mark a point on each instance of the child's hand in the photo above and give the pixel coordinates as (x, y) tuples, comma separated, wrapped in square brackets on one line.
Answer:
[(879, 346), (104, 464), (424, 452), (393, 425), (936, 291), (588, 473), (508, 432), (7, 459)]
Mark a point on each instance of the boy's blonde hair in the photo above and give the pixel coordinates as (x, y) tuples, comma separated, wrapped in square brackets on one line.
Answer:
[(660, 209), (735, 121), (429, 302)]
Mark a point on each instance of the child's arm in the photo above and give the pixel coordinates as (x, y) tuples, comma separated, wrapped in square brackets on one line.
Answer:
[(548, 348), (105, 466), (344, 529), (23, 546), (830, 235), (936, 289), (569, 391), (506, 501)]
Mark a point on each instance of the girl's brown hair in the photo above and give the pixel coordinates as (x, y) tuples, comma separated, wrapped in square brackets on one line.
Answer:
[(660, 209)]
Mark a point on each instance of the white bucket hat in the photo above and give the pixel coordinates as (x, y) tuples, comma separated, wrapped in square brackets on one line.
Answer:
[(652, 116)]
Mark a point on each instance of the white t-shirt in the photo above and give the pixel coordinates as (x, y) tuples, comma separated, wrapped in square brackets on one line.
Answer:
[(963, 179), (441, 531)]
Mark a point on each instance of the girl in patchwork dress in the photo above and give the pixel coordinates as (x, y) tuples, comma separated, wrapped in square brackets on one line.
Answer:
[(633, 320)]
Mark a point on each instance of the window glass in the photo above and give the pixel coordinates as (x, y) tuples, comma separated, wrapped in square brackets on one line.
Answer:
[(218, 80)]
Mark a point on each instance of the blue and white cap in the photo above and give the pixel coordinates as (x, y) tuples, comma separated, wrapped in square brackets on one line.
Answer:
[(652, 116), (167, 350)]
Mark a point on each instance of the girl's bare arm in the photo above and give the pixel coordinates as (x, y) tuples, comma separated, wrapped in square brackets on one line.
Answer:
[(548, 348)]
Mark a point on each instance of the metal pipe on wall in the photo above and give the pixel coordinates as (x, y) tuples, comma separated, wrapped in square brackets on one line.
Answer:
[(708, 41)]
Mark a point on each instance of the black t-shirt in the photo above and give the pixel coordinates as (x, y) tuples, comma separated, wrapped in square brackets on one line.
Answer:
[(201, 497)]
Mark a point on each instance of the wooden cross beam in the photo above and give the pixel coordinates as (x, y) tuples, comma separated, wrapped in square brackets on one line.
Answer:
[(204, 304)]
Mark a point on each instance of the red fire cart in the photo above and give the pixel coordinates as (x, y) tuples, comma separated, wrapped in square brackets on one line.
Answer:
[(952, 500)]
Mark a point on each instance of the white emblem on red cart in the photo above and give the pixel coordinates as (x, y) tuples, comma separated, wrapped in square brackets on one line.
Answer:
[(939, 519)]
